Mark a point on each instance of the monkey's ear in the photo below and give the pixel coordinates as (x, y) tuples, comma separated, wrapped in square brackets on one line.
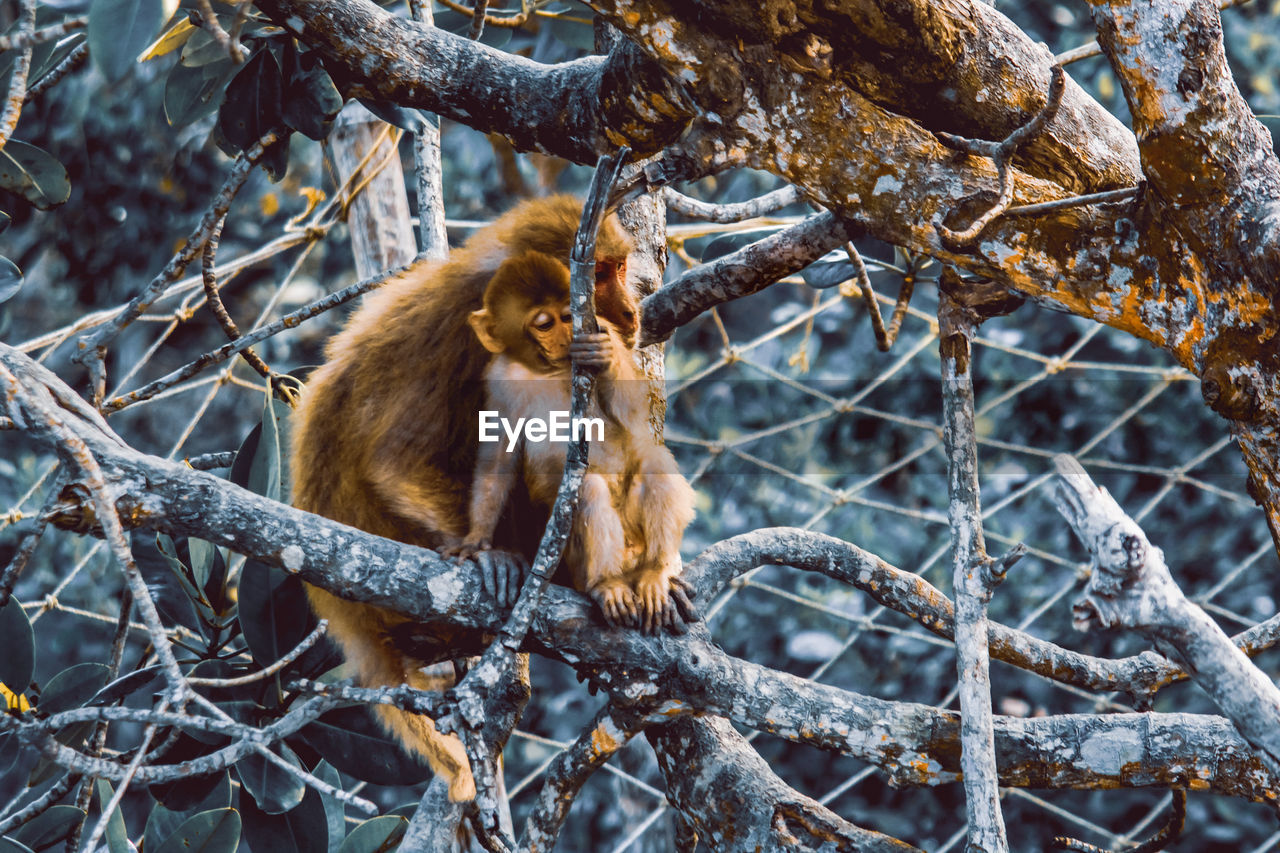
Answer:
[(482, 324)]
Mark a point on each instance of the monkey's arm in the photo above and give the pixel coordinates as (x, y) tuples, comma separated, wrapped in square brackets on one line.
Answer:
[(502, 572)]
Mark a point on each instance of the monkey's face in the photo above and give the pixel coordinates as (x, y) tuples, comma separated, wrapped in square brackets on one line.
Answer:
[(614, 300), (548, 332)]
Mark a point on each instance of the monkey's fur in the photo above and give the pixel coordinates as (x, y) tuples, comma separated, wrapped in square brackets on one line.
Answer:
[(386, 437), (633, 506)]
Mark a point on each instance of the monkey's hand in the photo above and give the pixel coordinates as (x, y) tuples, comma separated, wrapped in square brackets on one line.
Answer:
[(594, 351), (618, 603), (665, 602), (502, 572)]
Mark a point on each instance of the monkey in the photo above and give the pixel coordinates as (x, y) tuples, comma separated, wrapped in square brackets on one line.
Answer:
[(385, 440), (634, 505)]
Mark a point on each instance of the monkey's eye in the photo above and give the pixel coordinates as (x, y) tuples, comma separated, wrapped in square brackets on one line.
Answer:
[(543, 322), (566, 317)]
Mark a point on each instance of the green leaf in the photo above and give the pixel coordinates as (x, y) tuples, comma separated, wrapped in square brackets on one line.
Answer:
[(335, 811), (216, 831), (34, 174), (55, 55), (163, 821), (300, 830), (186, 580), (252, 105), (189, 792), (202, 555), (74, 687), (192, 93), (268, 476), (120, 30), (150, 677), (377, 835), (394, 114), (274, 789), (10, 276), (274, 613), (8, 845), (311, 102), (5, 221), (18, 663), (202, 48), (349, 739), (117, 835), (52, 827)]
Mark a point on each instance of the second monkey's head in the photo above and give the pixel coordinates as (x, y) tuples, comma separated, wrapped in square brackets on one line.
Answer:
[(526, 312)]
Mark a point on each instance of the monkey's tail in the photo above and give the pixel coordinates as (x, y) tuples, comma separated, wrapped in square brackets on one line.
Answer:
[(363, 633)]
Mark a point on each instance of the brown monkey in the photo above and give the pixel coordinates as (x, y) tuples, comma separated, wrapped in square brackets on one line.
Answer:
[(385, 440), (624, 548)]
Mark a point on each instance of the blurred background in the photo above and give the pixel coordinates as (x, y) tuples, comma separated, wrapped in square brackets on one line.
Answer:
[(781, 412)]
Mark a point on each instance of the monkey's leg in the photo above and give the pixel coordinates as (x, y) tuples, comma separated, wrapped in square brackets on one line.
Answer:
[(661, 501), (598, 547), (364, 633)]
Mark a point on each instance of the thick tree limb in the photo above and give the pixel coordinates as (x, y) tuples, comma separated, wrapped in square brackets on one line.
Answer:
[(914, 744), (748, 270), (578, 110)]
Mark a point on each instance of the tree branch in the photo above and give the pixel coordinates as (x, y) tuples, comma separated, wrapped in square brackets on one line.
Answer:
[(577, 110), (1131, 587)]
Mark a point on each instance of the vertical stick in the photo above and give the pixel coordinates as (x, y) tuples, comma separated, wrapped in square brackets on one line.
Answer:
[(433, 240), (973, 581), (381, 233)]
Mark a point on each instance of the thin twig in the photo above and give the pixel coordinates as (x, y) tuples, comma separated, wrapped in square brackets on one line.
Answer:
[(1074, 201), (101, 826), (973, 587), (727, 213), (477, 20), (885, 337), (210, 24), (297, 652), (17, 93), (597, 743), (19, 40), (209, 278), (10, 573), (37, 807), (226, 351), (511, 22), (402, 696), (72, 61), (1168, 833), (1001, 152), (99, 739), (92, 346)]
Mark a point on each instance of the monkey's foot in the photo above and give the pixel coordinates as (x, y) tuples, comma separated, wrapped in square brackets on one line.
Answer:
[(618, 603), (465, 550), (502, 572), (665, 602)]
